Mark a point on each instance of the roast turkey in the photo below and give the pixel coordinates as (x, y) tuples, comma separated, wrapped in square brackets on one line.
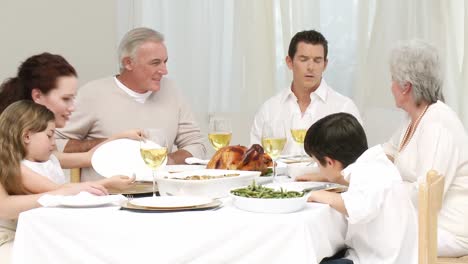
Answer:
[(241, 158)]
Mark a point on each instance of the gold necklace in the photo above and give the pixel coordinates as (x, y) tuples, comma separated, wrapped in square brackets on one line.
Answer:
[(410, 130)]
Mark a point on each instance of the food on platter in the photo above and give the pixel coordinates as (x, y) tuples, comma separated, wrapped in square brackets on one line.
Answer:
[(206, 177), (182, 183), (240, 158)]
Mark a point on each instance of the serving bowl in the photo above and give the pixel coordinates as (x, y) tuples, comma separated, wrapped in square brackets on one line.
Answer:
[(269, 205), (176, 184)]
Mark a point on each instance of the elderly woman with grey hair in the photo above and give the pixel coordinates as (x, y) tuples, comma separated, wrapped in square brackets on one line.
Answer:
[(432, 137)]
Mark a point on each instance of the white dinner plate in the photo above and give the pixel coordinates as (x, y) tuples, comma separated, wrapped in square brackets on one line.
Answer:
[(85, 200), (121, 157), (171, 201)]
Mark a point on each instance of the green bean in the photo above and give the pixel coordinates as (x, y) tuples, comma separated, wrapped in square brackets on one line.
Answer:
[(258, 191)]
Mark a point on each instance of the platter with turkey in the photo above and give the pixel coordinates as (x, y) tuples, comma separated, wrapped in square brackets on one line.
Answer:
[(230, 167), (241, 158)]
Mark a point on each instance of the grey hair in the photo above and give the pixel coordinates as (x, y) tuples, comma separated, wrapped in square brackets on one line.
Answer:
[(133, 39), (418, 63)]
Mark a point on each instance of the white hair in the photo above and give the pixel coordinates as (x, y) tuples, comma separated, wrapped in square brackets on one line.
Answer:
[(133, 39), (418, 63)]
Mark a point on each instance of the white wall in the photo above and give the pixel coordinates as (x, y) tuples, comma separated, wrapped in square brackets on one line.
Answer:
[(83, 31)]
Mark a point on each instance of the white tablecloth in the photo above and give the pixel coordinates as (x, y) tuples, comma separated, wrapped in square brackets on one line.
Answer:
[(228, 235)]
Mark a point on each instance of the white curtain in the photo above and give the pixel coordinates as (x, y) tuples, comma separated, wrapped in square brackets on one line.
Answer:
[(439, 22), (228, 56), (461, 22)]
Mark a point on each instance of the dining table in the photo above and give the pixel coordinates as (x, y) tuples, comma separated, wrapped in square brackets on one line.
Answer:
[(224, 234)]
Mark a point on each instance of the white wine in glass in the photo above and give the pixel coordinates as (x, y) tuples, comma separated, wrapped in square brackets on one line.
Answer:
[(220, 132), (298, 135), (273, 146), (300, 123), (153, 150), (273, 141)]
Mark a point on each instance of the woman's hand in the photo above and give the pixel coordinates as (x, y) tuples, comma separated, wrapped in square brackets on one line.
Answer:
[(135, 134)]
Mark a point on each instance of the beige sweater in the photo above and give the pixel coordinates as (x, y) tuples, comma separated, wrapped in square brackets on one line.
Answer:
[(103, 109)]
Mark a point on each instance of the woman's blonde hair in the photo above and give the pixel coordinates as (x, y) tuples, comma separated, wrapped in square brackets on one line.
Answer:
[(16, 120)]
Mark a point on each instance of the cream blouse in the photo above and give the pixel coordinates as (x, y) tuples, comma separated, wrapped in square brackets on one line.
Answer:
[(441, 143)]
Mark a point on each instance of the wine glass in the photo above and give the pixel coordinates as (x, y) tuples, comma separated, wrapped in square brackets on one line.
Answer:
[(273, 141), (300, 123), (220, 132), (153, 150)]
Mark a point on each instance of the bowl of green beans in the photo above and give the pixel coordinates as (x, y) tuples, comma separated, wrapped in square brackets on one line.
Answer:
[(261, 199)]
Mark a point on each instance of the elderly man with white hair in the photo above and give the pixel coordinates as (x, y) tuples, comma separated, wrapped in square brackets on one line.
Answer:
[(138, 97)]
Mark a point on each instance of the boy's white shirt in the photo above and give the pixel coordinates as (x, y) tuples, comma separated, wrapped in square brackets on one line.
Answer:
[(50, 169), (382, 222)]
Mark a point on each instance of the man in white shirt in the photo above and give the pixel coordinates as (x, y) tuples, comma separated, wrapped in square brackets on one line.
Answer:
[(382, 222), (308, 93)]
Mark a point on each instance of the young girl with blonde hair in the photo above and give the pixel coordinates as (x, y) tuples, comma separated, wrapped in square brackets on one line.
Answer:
[(26, 133)]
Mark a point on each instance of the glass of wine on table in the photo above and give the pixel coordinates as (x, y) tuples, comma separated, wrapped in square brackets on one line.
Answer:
[(220, 132), (300, 123), (273, 141), (153, 150)]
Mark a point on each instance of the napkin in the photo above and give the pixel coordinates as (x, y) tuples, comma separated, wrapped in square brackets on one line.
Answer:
[(84, 198), (192, 160)]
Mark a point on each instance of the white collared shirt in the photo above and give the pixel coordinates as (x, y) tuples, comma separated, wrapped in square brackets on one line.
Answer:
[(138, 97), (382, 222), (281, 107)]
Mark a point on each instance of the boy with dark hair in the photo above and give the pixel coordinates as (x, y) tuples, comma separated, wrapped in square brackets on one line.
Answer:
[(382, 223)]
